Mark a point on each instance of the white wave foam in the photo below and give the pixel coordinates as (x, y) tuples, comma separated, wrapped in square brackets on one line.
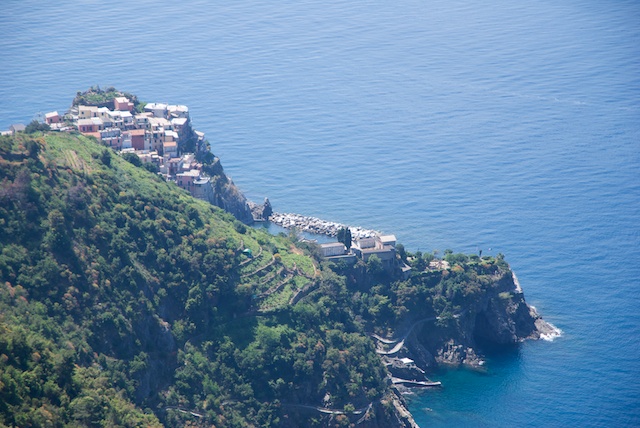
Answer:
[(552, 335)]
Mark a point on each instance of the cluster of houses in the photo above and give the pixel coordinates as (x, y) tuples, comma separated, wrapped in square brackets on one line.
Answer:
[(363, 248), (382, 246), (156, 135), (160, 127)]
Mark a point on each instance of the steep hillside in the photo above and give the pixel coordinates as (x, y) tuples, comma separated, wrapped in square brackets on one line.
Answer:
[(124, 301), (443, 314)]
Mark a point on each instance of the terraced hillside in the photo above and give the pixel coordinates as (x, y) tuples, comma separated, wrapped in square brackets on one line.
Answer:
[(124, 301)]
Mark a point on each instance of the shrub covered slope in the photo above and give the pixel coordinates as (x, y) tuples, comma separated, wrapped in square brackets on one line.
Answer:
[(124, 301)]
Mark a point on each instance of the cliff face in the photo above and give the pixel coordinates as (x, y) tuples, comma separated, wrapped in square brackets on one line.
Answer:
[(501, 316), (227, 195), (506, 318)]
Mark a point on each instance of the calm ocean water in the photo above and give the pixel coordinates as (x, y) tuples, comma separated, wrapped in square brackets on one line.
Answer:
[(511, 127)]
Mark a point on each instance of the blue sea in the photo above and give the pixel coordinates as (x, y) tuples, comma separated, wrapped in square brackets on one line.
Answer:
[(506, 126)]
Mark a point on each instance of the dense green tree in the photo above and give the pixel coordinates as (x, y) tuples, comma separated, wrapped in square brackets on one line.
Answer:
[(120, 295), (374, 265), (132, 158), (344, 236), (35, 126)]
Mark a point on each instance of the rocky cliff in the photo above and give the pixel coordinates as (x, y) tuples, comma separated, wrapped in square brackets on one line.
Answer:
[(501, 316), (227, 195)]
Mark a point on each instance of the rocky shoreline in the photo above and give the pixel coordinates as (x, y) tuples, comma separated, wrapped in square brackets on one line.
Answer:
[(502, 317), (318, 226)]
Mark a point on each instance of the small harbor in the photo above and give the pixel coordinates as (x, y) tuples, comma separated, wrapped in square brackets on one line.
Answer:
[(317, 226)]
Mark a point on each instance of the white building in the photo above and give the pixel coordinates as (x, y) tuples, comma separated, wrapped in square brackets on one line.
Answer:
[(177, 111), (158, 109), (333, 249), (382, 246)]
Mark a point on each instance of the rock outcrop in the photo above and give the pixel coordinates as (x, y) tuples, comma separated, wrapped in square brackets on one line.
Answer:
[(227, 195), (404, 418), (261, 212), (501, 316)]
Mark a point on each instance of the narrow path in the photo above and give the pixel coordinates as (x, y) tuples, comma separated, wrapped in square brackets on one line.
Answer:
[(273, 259), (328, 411), (252, 259), (304, 291), (272, 275), (188, 412), (414, 383), (275, 287), (382, 339), (364, 415), (399, 343)]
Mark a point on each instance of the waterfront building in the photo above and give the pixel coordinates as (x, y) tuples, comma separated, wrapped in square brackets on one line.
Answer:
[(333, 249), (52, 117), (385, 249)]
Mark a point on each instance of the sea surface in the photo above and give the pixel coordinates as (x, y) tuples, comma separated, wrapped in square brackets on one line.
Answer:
[(506, 126)]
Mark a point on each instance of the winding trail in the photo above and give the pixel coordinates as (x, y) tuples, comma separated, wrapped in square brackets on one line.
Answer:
[(181, 410), (328, 411), (414, 383), (324, 410), (276, 287), (273, 259), (399, 342), (271, 276), (254, 258)]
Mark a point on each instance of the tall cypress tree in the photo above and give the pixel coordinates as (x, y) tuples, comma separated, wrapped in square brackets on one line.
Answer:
[(344, 236)]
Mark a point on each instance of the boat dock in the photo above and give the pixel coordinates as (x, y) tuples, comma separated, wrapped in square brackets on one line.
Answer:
[(415, 383)]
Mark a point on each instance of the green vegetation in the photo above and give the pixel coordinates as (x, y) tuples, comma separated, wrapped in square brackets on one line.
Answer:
[(344, 236), (125, 302), (35, 126), (382, 300), (95, 96)]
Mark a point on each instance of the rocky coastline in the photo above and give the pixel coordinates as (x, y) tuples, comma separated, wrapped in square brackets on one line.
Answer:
[(501, 317), (317, 226)]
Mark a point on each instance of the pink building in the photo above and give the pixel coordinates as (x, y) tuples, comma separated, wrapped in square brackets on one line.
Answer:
[(185, 180), (52, 117), (122, 104), (138, 139), (93, 124)]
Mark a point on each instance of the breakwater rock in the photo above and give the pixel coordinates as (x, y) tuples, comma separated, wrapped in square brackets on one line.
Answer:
[(318, 226)]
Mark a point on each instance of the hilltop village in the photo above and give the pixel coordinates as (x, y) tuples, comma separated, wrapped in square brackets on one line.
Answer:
[(161, 136)]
